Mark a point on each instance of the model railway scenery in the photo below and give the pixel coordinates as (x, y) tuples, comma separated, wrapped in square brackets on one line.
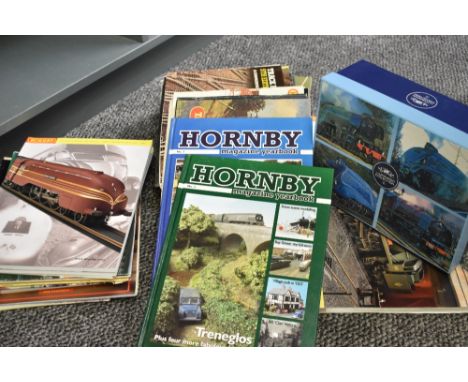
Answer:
[(291, 259), (217, 267)]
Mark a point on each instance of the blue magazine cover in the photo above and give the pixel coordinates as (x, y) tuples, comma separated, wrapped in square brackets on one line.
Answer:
[(281, 140)]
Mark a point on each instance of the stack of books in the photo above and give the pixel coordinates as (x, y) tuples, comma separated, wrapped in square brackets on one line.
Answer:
[(236, 154), (70, 221)]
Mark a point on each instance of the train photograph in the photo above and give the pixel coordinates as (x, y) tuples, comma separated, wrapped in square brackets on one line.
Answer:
[(353, 125), (354, 189), (422, 225), (83, 195), (239, 218), (92, 187), (296, 222), (30, 237), (436, 167), (113, 160)]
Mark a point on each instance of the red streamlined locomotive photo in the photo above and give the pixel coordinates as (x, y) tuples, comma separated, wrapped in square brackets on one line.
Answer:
[(75, 192)]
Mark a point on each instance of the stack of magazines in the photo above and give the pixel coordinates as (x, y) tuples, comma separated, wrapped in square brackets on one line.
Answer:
[(249, 247), (236, 154), (70, 220)]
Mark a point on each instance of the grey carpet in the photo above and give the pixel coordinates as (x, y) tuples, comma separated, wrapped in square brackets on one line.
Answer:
[(437, 62)]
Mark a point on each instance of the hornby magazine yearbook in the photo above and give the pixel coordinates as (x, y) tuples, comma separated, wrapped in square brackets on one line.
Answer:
[(282, 140), (231, 226)]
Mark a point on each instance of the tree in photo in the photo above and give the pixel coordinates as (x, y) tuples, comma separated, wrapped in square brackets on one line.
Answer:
[(191, 257), (194, 221), (210, 283), (253, 273), (166, 317)]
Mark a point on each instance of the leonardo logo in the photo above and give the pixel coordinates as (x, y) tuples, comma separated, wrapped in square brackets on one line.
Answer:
[(422, 100)]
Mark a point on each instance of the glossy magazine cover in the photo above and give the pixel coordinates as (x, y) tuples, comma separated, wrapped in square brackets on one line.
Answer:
[(282, 140), (67, 205), (260, 106), (215, 284)]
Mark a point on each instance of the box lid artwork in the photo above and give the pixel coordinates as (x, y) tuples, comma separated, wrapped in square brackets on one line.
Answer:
[(424, 100), (400, 153)]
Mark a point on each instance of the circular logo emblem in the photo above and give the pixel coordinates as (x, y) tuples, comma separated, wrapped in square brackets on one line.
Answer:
[(197, 112), (385, 175), (422, 100)]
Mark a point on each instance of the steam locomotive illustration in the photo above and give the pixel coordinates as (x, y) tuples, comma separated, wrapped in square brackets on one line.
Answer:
[(424, 169), (81, 194), (351, 191), (354, 132), (240, 218), (420, 226)]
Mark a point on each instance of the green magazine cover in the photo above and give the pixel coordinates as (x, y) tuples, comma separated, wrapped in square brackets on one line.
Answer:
[(242, 262)]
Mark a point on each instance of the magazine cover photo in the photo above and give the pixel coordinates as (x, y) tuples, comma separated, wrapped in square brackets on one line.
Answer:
[(83, 192), (235, 107), (92, 185), (424, 226), (296, 222), (216, 274), (291, 259), (286, 298), (276, 333)]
